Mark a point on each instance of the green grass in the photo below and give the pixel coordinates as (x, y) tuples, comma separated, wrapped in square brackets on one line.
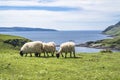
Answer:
[(87, 66), (6, 37), (11, 42), (95, 66)]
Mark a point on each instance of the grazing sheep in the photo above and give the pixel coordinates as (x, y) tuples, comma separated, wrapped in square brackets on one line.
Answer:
[(35, 47), (67, 47), (49, 47)]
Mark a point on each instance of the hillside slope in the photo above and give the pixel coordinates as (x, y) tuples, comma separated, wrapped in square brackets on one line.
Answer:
[(11, 42), (113, 30), (113, 43)]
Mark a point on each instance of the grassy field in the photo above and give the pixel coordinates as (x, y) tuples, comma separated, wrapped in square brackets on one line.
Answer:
[(94, 66)]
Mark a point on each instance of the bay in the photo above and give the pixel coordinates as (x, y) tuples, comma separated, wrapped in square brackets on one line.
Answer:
[(63, 36)]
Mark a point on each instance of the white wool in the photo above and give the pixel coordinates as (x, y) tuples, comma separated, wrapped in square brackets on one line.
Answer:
[(67, 47), (32, 47), (49, 47)]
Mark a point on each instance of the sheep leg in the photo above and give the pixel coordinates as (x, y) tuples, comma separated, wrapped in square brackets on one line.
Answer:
[(26, 55), (65, 55), (47, 55), (36, 54), (52, 54), (39, 54), (30, 54), (70, 54), (62, 55), (74, 54), (44, 54)]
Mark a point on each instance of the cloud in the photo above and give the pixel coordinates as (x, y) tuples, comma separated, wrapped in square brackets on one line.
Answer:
[(57, 20), (60, 14), (37, 8)]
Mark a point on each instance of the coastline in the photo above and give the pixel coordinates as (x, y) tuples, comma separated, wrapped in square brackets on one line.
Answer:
[(108, 43), (100, 45)]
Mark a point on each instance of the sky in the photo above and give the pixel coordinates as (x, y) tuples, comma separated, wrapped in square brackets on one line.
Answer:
[(60, 14)]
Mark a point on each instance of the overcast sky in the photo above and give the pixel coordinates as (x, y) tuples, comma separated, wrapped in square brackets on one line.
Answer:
[(60, 14)]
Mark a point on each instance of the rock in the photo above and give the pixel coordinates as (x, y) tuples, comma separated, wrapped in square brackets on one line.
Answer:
[(16, 42)]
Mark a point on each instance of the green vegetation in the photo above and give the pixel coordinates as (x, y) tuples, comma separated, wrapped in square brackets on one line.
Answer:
[(114, 43), (94, 66), (113, 30), (12, 42)]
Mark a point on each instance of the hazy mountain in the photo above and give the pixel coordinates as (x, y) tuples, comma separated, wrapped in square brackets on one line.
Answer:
[(24, 29), (113, 30)]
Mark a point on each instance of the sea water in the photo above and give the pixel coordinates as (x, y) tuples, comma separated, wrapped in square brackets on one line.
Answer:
[(62, 36)]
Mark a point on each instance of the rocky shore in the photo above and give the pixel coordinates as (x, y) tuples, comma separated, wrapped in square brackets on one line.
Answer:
[(101, 44)]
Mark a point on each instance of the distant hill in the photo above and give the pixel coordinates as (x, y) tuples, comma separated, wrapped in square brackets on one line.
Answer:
[(113, 43), (24, 29), (113, 30)]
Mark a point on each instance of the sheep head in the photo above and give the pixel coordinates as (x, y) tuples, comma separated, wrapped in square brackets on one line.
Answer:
[(57, 55), (21, 53)]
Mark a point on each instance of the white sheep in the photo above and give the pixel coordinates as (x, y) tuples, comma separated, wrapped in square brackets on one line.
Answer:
[(49, 47), (35, 47), (67, 47)]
